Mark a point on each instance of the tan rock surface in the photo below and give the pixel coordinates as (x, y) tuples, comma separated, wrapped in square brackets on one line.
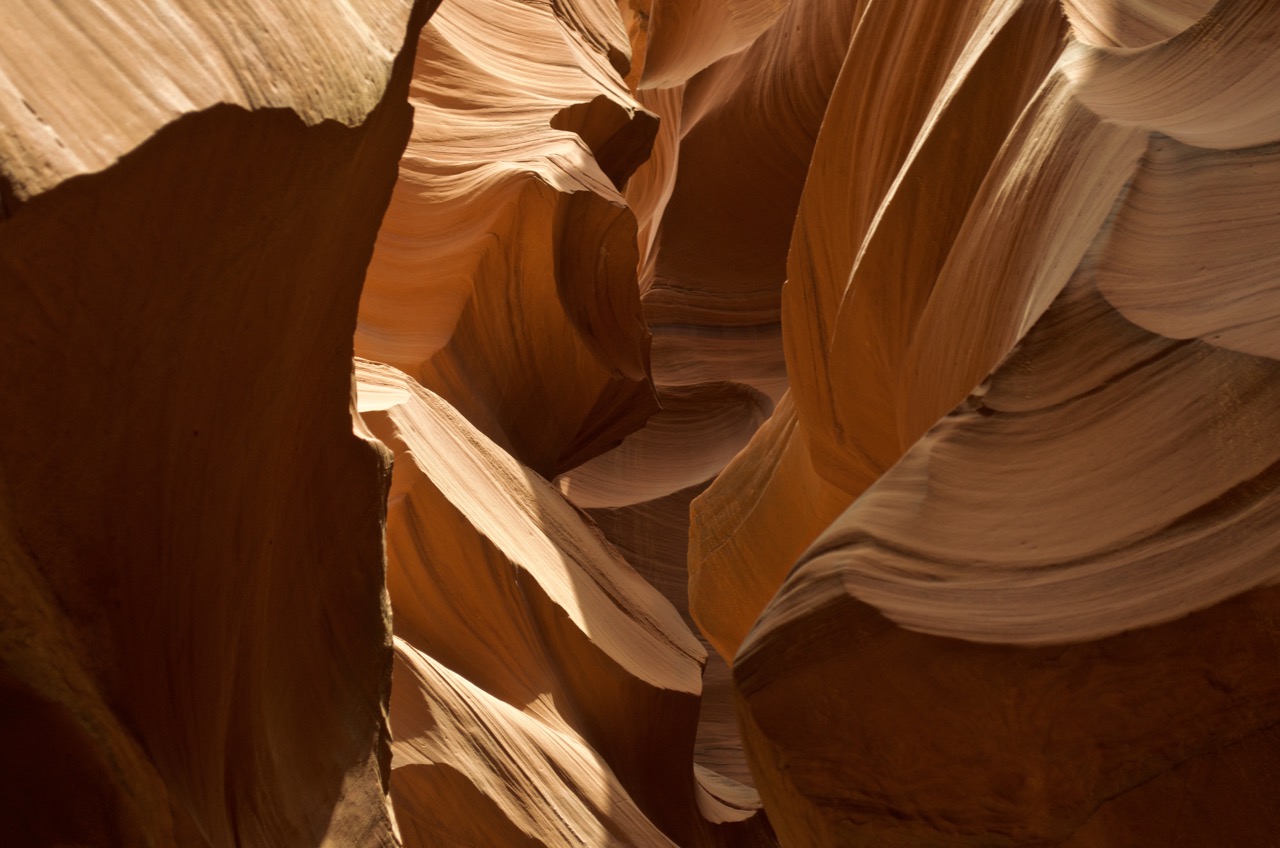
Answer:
[(536, 668), (653, 537), (1206, 270), (750, 527), (504, 276), (1062, 482), (864, 287), (683, 37), (1132, 23), (957, 743), (699, 429), (194, 645), (529, 256), (1221, 97), (815, 422), (713, 246), (720, 247), (1122, 516)]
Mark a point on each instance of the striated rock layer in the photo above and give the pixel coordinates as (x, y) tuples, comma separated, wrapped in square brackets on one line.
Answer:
[(535, 667), (194, 643), (817, 423), (545, 693), (1043, 382), (504, 275)]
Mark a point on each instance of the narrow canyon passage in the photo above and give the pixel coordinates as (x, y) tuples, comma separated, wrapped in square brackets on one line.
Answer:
[(584, 423)]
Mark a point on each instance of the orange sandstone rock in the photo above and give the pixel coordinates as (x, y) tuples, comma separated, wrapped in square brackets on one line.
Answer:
[(897, 160), (504, 276), (194, 644), (924, 355), (540, 678), (1047, 644)]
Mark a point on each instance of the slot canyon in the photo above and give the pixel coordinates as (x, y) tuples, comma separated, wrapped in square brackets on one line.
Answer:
[(640, 423)]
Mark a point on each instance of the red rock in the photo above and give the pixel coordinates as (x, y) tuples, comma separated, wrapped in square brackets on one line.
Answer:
[(193, 625), (826, 422)]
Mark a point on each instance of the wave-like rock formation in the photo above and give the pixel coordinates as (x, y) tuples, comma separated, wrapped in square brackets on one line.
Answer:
[(1041, 382), (504, 276), (640, 423), (535, 667), (194, 643)]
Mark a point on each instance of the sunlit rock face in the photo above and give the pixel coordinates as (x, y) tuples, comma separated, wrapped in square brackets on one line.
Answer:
[(545, 691), (966, 355), (540, 678), (194, 643), (640, 423), (504, 274), (1042, 372)]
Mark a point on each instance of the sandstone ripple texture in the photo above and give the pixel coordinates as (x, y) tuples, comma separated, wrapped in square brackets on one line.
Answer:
[(630, 423)]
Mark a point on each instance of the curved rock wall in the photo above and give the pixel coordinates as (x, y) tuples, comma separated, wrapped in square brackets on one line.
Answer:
[(194, 634), (816, 423), (1052, 420)]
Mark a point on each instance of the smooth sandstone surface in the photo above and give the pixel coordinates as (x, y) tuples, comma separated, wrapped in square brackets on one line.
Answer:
[(863, 285), (504, 274), (1111, 549), (194, 634), (652, 536), (137, 68), (731, 423), (535, 666)]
